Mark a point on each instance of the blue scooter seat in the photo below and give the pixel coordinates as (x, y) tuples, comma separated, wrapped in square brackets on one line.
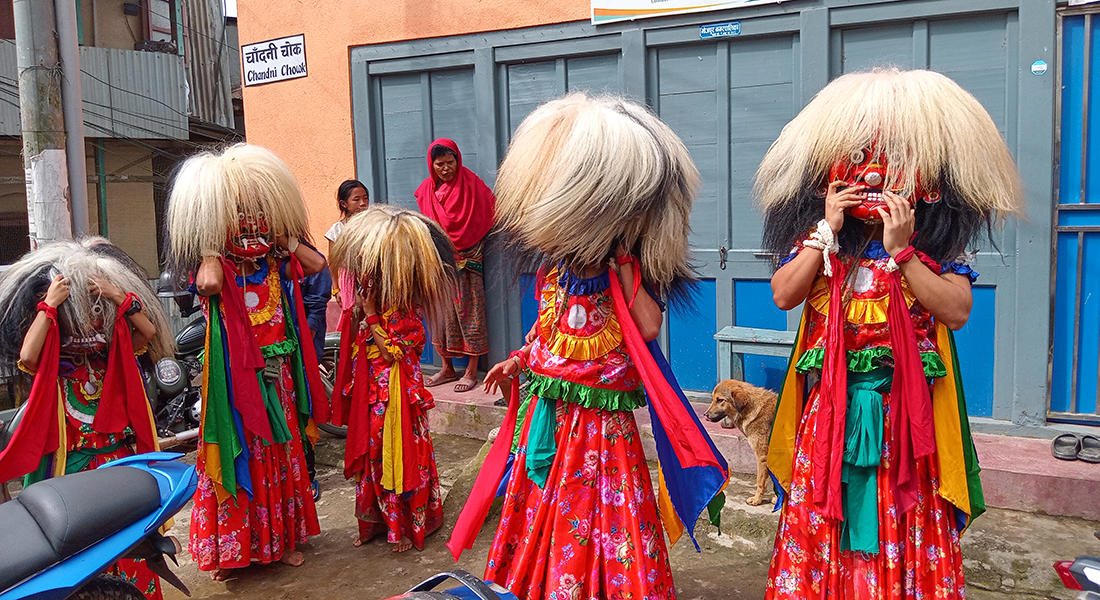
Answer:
[(56, 518)]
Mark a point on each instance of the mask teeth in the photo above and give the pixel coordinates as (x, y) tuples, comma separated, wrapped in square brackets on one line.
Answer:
[(872, 196)]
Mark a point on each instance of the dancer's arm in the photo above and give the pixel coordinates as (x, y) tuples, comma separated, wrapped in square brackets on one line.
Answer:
[(210, 277), (791, 283), (143, 328), (948, 296), (31, 351), (645, 310), (312, 260)]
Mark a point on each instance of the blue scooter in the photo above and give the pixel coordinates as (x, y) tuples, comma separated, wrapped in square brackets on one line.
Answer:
[(59, 535)]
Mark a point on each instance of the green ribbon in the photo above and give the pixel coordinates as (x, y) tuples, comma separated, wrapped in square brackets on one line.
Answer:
[(586, 396), (541, 445), (862, 457), (218, 426)]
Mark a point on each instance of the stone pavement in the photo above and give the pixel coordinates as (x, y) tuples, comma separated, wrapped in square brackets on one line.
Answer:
[(1008, 554)]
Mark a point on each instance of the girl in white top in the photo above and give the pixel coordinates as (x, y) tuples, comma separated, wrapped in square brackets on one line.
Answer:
[(351, 197)]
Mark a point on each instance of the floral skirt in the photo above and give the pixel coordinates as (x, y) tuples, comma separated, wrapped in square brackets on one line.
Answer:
[(280, 514), (465, 333), (412, 514), (919, 554), (593, 531)]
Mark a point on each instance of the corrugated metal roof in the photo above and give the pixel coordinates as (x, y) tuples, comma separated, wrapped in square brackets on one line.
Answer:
[(126, 93), (209, 57)]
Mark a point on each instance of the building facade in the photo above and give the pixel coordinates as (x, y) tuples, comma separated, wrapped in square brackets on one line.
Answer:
[(386, 80), (156, 80)]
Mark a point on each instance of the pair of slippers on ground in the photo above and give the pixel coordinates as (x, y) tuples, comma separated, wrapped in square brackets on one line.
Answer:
[(1070, 446)]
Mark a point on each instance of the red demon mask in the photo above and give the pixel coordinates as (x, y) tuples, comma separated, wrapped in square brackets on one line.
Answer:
[(253, 237), (867, 167)]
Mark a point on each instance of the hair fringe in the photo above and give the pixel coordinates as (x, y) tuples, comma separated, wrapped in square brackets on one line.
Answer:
[(212, 189), (922, 122), (584, 174), (25, 282), (408, 255)]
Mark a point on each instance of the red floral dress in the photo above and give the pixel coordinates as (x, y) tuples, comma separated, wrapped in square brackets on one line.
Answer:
[(281, 513), (591, 528), (81, 369), (417, 511), (918, 553)]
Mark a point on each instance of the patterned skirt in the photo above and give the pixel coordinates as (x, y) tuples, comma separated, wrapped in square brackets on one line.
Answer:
[(465, 333), (919, 554), (413, 514), (280, 514), (594, 531)]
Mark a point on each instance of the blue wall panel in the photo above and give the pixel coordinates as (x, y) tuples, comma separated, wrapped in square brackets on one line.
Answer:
[(753, 307), (529, 305), (974, 343), (1064, 296), (693, 351), (1073, 74)]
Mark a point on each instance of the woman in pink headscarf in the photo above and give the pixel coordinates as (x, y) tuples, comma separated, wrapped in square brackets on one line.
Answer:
[(462, 204)]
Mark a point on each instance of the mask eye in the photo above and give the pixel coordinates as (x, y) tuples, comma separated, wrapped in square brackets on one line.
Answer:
[(857, 157)]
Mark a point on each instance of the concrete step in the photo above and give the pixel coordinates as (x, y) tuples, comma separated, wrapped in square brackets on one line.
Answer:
[(1017, 473)]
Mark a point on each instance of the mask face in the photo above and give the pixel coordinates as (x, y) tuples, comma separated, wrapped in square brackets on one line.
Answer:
[(867, 167), (253, 237)]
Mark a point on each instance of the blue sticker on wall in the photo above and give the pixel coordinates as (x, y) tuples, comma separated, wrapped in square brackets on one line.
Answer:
[(717, 30), (1039, 67)]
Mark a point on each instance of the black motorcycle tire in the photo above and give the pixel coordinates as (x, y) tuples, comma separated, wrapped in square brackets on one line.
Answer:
[(328, 377), (108, 587)]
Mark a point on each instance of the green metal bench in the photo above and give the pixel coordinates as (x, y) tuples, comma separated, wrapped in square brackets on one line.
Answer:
[(735, 342)]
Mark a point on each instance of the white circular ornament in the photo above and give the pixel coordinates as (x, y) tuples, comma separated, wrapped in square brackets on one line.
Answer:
[(251, 299), (864, 279), (577, 316)]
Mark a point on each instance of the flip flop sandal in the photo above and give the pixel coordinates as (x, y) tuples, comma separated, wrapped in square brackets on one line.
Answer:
[(429, 382), (466, 384), (1066, 446), (1090, 449)]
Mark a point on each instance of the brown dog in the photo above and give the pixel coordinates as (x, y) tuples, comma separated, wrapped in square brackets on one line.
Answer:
[(750, 409)]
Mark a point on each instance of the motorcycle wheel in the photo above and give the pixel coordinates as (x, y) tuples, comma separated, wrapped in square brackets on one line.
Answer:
[(328, 377), (107, 587)]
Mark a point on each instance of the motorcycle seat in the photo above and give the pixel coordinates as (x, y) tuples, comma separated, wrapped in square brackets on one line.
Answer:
[(56, 518)]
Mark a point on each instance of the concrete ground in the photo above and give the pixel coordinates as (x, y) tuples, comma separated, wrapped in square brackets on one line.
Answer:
[(1007, 554)]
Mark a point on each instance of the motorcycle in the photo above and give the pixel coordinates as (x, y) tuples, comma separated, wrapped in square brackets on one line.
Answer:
[(327, 365), (61, 534), (177, 402), (470, 588), (1082, 574)]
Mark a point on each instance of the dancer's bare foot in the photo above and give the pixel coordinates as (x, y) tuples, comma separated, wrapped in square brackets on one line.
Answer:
[(403, 545), (358, 541), (219, 574), (293, 558)]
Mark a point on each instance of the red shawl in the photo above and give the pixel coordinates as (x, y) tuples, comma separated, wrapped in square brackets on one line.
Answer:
[(466, 210), (123, 402)]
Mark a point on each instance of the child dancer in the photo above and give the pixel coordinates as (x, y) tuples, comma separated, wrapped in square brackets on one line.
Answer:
[(403, 265), (236, 217), (73, 316), (601, 191), (879, 185)]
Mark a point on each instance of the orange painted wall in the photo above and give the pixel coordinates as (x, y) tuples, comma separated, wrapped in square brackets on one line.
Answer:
[(307, 121)]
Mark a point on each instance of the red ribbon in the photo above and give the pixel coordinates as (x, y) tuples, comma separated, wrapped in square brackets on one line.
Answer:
[(828, 458), (341, 404), (38, 433), (123, 401), (488, 479), (245, 357)]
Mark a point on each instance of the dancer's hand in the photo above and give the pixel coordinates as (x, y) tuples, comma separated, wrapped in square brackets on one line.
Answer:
[(837, 200), (898, 223), (506, 369), (101, 287), (58, 291)]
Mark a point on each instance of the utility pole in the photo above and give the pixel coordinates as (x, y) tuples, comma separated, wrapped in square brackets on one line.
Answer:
[(40, 112), (72, 108)]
